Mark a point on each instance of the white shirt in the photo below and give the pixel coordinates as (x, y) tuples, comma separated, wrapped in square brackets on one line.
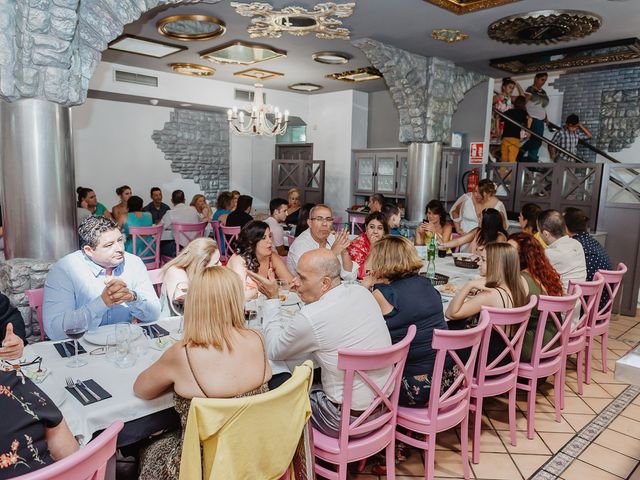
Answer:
[(347, 316), (277, 232), (305, 243), (567, 257), (181, 213)]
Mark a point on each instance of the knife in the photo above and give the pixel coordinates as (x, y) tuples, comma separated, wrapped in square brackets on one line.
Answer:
[(156, 332), (64, 347), (93, 394)]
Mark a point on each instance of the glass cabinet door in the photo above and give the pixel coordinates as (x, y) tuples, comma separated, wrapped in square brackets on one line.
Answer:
[(365, 168), (386, 176), (402, 174)]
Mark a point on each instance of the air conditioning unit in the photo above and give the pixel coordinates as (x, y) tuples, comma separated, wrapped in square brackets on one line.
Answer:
[(136, 78)]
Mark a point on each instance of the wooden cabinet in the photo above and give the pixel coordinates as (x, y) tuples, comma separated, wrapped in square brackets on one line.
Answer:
[(385, 171)]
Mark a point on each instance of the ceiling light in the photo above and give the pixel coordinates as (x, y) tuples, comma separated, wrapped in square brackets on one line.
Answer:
[(191, 27), (258, 74), (448, 35), (305, 87), (144, 46), (360, 75), (192, 69), (331, 58), (242, 53), (322, 20), (258, 124)]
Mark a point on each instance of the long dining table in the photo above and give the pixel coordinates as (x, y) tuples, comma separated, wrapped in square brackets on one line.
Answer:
[(85, 421)]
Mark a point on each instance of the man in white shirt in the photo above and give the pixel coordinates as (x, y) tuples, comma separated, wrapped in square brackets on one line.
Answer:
[(564, 253), (278, 210), (318, 235), (181, 213), (335, 316)]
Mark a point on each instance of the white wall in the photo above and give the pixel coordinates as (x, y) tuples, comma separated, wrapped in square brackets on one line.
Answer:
[(337, 123)]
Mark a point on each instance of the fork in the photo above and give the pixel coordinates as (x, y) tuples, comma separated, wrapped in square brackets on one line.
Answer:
[(72, 385)]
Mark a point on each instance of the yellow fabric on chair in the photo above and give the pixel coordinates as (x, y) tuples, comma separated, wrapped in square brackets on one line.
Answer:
[(249, 438)]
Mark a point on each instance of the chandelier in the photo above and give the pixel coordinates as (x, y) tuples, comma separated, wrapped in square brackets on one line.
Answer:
[(257, 122)]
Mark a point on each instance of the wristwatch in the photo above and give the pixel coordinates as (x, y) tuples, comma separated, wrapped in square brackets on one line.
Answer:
[(135, 296)]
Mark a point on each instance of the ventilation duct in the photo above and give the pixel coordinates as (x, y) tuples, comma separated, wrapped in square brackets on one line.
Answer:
[(137, 78)]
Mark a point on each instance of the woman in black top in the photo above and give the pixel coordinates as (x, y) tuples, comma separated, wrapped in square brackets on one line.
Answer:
[(405, 299), (33, 433)]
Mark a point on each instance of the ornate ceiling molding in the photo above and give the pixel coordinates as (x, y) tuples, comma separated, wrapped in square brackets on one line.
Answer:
[(460, 7), (544, 27), (323, 20), (448, 35)]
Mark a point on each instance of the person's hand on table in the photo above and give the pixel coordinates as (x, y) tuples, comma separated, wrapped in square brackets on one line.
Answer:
[(116, 292), (267, 286), (12, 345)]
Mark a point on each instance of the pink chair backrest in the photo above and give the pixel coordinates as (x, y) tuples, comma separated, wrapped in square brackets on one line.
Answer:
[(215, 225), (612, 282), (337, 222), (185, 232), (88, 463), (149, 237), (229, 234), (290, 239), (360, 363), (36, 299), (558, 310), (500, 320), (357, 221), (448, 343), (589, 300), (157, 277)]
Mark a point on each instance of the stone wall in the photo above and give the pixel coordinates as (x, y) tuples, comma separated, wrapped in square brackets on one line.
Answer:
[(18, 275), (197, 145), (607, 102)]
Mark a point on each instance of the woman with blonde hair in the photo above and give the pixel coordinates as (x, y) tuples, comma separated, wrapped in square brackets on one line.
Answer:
[(193, 259), (215, 342), (293, 210), (199, 202), (502, 284)]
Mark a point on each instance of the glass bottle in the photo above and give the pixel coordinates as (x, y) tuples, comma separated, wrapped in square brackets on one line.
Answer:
[(431, 258)]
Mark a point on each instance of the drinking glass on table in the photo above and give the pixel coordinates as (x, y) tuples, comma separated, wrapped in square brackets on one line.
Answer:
[(283, 290), (125, 356), (177, 302), (75, 324)]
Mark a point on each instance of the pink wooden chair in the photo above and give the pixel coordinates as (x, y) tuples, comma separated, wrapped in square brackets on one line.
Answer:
[(88, 463), (229, 234), (373, 434), (185, 232), (448, 408), (215, 225), (36, 299), (150, 239), (547, 357), (577, 341), (499, 375), (290, 239), (599, 325), (337, 222), (157, 277), (357, 223)]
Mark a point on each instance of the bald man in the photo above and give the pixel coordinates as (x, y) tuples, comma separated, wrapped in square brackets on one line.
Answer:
[(334, 316)]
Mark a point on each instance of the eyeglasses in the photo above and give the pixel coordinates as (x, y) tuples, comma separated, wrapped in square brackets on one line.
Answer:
[(322, 219)]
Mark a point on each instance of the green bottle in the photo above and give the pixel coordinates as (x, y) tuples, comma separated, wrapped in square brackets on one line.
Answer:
[(432, 249)]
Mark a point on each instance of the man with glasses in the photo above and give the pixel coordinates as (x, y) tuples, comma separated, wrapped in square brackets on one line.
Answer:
[(319, 235), (101, 277)]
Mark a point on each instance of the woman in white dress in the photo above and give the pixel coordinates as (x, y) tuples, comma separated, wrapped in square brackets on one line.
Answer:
[(467, 210)]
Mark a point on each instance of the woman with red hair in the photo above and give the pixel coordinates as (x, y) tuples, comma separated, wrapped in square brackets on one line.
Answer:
[(541, 279)]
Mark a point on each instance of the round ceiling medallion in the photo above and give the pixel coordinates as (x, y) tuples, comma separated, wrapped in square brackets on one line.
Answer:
[(331, 58), (192, 69), (544, 27), (191, 27), (305, 87)]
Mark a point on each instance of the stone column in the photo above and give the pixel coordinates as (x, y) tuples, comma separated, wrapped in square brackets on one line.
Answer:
[(426, 91)]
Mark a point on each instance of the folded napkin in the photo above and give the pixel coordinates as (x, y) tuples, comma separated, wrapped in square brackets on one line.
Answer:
[(155, 331), (95, 388), (70, 348)]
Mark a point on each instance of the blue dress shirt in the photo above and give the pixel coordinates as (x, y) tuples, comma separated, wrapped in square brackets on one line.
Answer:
[(75, 281)]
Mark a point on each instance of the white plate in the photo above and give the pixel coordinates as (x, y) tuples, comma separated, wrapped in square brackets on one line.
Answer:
[(99, 335), (444, 294)]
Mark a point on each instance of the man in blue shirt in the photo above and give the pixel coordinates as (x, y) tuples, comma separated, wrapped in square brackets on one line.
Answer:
[(112, 285)]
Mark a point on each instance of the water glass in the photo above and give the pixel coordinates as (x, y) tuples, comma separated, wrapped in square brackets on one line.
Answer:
[(125, 355), (283, 290), (141, 345), (111, 348)]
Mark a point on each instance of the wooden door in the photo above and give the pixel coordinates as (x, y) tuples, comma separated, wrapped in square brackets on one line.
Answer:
[(294, 151), (306, 175)]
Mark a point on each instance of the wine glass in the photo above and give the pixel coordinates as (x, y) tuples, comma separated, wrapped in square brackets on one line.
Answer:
[(283, 290), (177, 302), (75, 324)]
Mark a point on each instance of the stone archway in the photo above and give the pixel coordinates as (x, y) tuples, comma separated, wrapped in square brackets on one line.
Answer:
[(49, 49)]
